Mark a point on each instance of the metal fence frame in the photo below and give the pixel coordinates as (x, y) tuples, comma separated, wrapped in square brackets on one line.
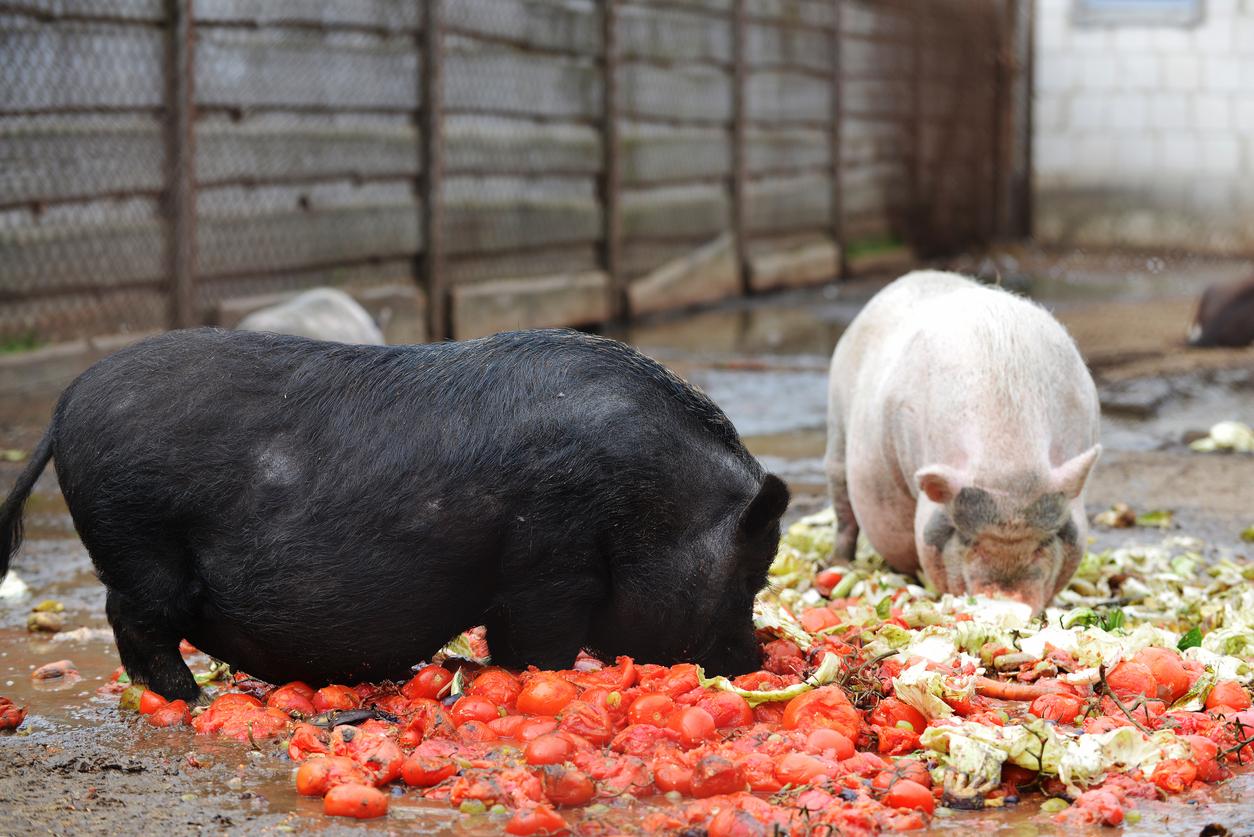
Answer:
[(1009, 215)]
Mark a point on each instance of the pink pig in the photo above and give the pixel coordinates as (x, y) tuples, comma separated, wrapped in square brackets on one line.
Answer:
[(962, 427)]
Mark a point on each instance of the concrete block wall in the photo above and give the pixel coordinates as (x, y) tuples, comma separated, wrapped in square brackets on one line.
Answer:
[(1144, 134)]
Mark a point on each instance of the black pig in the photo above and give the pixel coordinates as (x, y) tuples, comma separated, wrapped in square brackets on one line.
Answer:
[(308, 510), (1225, 315)]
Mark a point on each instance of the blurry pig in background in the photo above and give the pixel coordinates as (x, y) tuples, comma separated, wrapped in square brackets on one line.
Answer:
[(1225, 315), (962, 427)]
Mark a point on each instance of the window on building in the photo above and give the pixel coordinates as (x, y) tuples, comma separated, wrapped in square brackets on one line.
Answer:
[(1138, 12)]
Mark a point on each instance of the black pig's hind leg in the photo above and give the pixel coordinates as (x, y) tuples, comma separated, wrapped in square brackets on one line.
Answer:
[(149, 647)]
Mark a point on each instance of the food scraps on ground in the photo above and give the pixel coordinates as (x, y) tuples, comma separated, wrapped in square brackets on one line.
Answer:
[(879, 705), (1234, 436)]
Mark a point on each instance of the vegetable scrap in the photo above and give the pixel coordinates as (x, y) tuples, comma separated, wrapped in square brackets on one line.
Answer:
[(1232, 436), (879, 705)]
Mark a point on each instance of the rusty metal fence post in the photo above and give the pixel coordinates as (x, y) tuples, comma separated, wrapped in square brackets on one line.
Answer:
[(611, 171), (180, 142), (439, 314), (835, 139), (739, 164)]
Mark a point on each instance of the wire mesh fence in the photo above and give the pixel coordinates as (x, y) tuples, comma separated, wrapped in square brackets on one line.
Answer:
[(505, 162)]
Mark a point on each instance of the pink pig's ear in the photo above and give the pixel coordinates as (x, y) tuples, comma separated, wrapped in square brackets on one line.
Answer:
[(1070, 476), (940, 483)]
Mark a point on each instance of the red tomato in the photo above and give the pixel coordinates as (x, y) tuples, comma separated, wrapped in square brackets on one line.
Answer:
[(675, 681), (507, 726), (734, 822), (306, 740), (424, 771), (300, 687), (567, 785), (823, 707), (715, 775), (173, 714), (826, 580), (497, 685), (428, 719), (643, 739), (759, 770), (150, 701), (890, 712), (430, 682), (816, 619), (538, 820), (335, 697), (548, 749), (622, 675), (319, 774), (1205, 758), (693, 724), (1168, 670), (476, 732), (532, 728), (360, 801), (896, 741), (651, 709), (291, 699), (728, 709), (1057, 707), (546, 695), (1130, 680), (1228, 693), (1174, 775), (587, 721), (473, 708), (911, 795), (800, 769), (670, 775), (825, 740)]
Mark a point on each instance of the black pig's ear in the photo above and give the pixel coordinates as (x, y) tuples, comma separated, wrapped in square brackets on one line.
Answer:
[(766, 509)]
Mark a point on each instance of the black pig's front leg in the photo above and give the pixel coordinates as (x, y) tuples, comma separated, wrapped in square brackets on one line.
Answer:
[(544, 624)]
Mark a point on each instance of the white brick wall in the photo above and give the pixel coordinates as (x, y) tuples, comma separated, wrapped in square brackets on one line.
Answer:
[(1144, 135)]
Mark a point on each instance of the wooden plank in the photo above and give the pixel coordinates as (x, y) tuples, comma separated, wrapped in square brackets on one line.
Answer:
[(150, 11), (700, 275), (872, 59), (394, 15), (879, 98), (798, 13), (114, 66), (654, 153), (786, 148), (676, 211), (782, 205), (500, 213), (488, 77), (610, 185), (566, 25), (492, 145), (783, 96), (271, 147), (867, 141), (507, 304), (55, 255), (269, 229), (768, 46), (709, 8), (543, 261), (688, 92), (866, 18), (793, 264), (239, 68), (50, 158), (673, 35)]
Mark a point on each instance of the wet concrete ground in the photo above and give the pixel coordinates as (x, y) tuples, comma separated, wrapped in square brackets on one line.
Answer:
[(80, 766)]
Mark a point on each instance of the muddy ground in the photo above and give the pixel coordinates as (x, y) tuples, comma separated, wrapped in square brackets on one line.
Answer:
[(78, 766)]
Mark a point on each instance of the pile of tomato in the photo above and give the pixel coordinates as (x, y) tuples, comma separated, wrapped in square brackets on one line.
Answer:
[(539, 746)]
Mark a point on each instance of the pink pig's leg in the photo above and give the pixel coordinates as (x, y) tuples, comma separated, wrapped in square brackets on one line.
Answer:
[(838, 482)]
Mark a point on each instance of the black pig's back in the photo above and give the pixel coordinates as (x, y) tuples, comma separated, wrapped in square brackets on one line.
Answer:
[(328, 502)]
